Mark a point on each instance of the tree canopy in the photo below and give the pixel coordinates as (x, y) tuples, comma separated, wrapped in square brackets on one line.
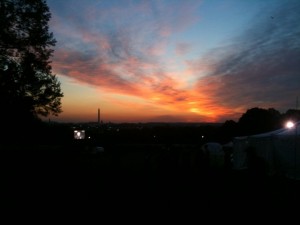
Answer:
[(258, 120), (28, 88)]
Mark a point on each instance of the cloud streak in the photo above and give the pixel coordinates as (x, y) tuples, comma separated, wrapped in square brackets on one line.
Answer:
[(131, 48), (261, 67), (118, 52)]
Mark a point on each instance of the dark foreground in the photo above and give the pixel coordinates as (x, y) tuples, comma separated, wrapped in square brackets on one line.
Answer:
[(135, 178)]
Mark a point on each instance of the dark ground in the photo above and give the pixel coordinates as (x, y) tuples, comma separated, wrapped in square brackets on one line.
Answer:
[(135, 177)]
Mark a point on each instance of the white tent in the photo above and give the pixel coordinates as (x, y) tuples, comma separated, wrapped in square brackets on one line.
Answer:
[(280, 150)]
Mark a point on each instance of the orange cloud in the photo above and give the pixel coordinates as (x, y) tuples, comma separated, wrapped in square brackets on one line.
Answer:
[(131, 61), (134, 77)]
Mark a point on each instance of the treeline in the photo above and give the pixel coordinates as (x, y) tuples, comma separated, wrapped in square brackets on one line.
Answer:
[(258, 120)]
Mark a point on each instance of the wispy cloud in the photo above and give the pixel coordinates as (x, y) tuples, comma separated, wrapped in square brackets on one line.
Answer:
[(128, 48), (120, 49), (261, 67), (182, 48)]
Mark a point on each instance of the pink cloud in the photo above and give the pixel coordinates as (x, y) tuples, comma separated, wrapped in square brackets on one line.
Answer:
[(122, 55)]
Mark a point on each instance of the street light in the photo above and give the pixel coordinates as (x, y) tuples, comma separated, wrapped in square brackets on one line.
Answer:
[(289, 124)]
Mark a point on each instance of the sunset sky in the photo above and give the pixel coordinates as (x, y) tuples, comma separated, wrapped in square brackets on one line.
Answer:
[(175, 60)]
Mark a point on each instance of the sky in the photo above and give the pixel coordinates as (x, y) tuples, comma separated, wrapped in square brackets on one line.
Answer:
[(174, 60)]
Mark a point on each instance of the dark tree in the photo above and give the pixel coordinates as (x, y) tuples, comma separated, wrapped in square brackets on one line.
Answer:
[(258, 120), (228, 130), (28, 89), (291, 114)]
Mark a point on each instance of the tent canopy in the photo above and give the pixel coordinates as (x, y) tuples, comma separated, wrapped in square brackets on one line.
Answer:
[(280, 150)]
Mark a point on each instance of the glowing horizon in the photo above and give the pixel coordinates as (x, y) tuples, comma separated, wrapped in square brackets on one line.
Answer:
[(174, 61)]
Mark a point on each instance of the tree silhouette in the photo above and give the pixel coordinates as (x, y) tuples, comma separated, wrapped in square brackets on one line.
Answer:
[(228, 130), (258, 120), (291, 114), (27, 86)]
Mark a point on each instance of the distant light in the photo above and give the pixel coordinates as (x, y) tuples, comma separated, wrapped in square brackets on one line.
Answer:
[(79, 134), (289, 124)]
